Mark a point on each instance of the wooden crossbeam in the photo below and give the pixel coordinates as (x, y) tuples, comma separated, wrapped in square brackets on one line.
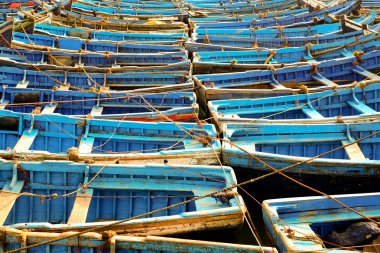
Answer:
[(81, 205), (353, 151), (96, 110), (365, 73), (323, 80), (3, 104), (312, 113), (8, 197), (26, 140), (85, 145), (361, 107), (49, 109)]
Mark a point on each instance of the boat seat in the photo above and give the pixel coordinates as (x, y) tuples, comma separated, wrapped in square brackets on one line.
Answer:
[(346, 53), (96, 110), (361, 107), (353, 151), (85, 145), (365, 73), (9, 195), (323, 80), (312, 113), (3, 104), (26, 140), (81, 205), (49, 109)]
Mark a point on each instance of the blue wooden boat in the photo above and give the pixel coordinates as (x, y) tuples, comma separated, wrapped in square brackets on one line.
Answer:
[(288, 20), (304, 224), (244, 8), (114, 12), (282, 32), (282, 145), (58, 137), (201, 20), (223, 42), (327, 73), (117, 193), (140, 37), (177, 106), (96, 59), (76, 20), (69, 43), (259, 58), (61, 79), (129, 244), (347, 105), (145, 5)]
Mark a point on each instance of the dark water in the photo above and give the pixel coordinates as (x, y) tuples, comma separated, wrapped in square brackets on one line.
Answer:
[(277, 186)]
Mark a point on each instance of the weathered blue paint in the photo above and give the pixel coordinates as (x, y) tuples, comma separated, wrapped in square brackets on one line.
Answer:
[(295, 224), (92, 242)]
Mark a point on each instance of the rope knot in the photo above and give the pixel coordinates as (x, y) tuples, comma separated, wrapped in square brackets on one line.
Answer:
[(205, 140), (304, 89), (73, 154)]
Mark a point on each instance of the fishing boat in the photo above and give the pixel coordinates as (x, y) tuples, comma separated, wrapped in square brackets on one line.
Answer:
[(286, 21), (76, 20), (61, 79), (310, 223), (157, 38), (177, 106), (327, 73), (347, 105), (38, 136), (346, 149), (123, 243), (99, 60), (237, 61), (253, 34), (128, 199)]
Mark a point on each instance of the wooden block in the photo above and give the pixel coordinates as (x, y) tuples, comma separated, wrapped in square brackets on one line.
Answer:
[(96, 110), (354, 152), (8, 197), (22, 84), (85, 145), (4, 104), (49, 109), (81, 205), (26, 140)]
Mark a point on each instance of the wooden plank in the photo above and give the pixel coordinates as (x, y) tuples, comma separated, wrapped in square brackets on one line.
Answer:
[(85, 145), (96, 110), (365, 73), (312, 113), (323, 80), (22, 84), (353, 151), (8, 198), (26, 140), (81, 205), (64, 87), (49, 109), (3, 104), (361, 107)]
